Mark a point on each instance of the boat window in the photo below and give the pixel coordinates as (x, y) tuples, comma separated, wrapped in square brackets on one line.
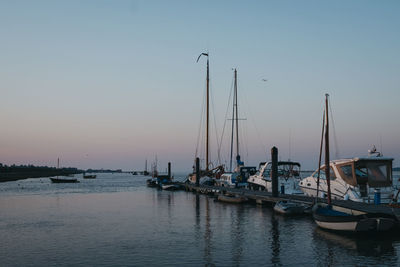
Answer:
[(346, 172), (267, 173), (322, 174), (377, 174)]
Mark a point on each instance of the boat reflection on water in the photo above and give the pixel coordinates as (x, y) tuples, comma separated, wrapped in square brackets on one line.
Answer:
[(373, 246), (207, 236)]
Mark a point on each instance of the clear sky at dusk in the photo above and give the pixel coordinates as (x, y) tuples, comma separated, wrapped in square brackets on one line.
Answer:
[(111, 83)]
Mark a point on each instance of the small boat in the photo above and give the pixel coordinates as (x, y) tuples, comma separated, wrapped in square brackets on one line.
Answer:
[(328, 218), (65, 179), (171, 187), (232, 198), (289, 207), (152, 182), (89, 176), (334, 218)]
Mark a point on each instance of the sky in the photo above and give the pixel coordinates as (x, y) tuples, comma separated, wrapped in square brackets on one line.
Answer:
[(109, 84)]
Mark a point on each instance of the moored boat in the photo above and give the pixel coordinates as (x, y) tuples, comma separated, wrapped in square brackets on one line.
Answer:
[(328, 218), (289, 207), (89, 176), (288, 177), (232, 198), (356, 179), (65, 179), (207, 175), (58, 180)]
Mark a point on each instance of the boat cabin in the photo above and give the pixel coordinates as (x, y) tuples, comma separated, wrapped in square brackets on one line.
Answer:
[(374, 172), (286, 169)]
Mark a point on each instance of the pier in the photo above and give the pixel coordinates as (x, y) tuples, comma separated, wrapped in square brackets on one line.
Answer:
[(267, 198)]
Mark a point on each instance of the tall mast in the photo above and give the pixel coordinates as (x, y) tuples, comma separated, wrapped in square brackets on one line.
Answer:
[(233, 122), (207, 122), (237, 119), (207, 106), (58, 163), (327, 167)]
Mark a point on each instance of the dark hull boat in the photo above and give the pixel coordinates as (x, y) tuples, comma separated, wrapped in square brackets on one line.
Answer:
[(152, 182), (63, 180), (171, 186), (93, 176), (330, 219)]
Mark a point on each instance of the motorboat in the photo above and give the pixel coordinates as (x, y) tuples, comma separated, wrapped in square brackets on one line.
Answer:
[(356, 179), (236, 179), (350, 179), (207, 177), (288, 177), (90, 176)]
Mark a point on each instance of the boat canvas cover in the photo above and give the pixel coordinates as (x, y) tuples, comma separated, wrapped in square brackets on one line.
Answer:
[(375, 173)]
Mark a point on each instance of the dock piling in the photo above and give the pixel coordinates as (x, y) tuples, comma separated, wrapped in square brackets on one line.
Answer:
[(274, 171)]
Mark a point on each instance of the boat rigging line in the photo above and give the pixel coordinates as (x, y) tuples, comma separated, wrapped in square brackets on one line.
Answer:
[(337, 154)]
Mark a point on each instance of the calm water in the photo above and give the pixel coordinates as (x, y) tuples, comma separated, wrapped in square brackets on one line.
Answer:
[(116, 220)]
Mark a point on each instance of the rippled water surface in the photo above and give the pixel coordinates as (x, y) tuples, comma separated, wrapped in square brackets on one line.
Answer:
[(116, 220)]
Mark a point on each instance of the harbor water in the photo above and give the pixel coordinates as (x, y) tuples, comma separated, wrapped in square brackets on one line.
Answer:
[(115, 220)]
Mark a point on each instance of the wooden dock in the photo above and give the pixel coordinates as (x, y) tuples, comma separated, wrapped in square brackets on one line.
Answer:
[(263, 197)]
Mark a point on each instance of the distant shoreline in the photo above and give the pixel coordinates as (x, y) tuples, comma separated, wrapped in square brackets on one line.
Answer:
[(15, 176)]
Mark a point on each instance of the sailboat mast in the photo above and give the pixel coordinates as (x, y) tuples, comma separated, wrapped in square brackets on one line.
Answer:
[(327, 167), (233, 123), (207, 107), (58, 163), (237, 119), (207, 119)]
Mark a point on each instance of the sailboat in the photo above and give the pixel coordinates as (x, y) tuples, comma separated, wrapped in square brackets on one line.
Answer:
[(62, 179), (207, 175), (330, 217), (145, 172), (237, 177)]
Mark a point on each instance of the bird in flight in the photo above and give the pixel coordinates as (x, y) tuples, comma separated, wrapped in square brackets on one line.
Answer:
[(264, 80)]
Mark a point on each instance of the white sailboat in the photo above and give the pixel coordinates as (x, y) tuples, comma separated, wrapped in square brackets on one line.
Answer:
[(237, 177)]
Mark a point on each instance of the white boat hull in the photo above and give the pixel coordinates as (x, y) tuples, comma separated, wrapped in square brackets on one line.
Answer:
[(344, 226)]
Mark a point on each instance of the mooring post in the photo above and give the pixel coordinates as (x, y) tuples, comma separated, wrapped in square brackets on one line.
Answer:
[(197, 171), (169, 170), (274, 171)]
